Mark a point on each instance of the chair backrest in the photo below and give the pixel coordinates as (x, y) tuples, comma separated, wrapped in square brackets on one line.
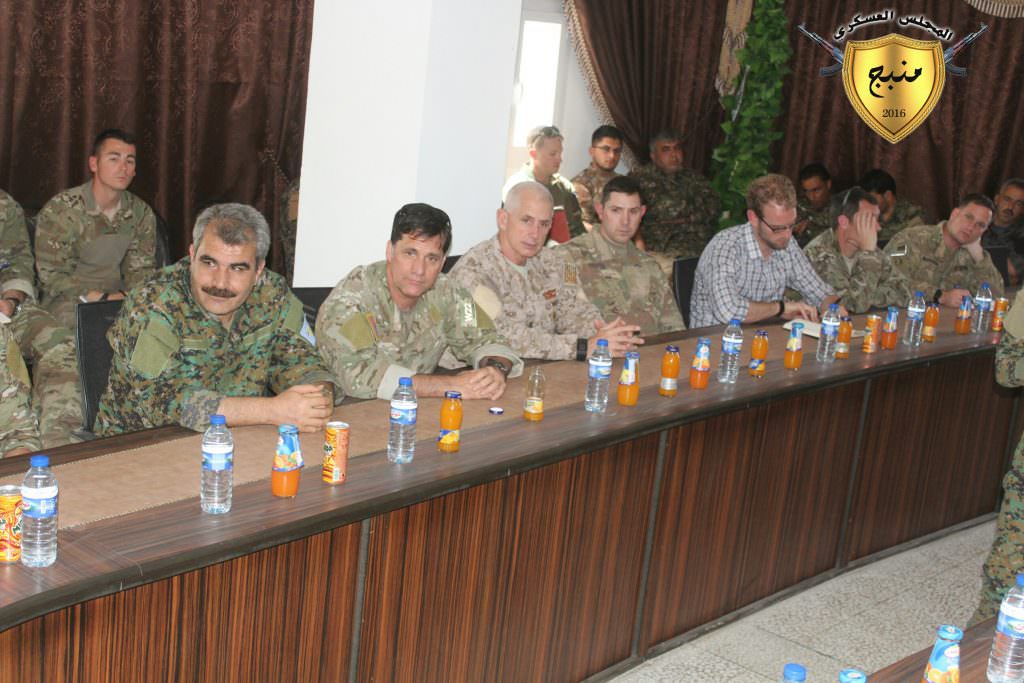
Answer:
[(311, 298), (1001, 260), (683, 272), (163, 247), (94, 354)]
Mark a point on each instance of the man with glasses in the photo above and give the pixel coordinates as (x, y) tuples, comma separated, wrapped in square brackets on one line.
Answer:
[(545, 147), (946, 261), (847, 256), (745, 270), (605, 153)]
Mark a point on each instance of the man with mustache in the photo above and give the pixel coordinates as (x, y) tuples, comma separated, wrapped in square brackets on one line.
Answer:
[(1007, 229), (215, 333), (95, 241)]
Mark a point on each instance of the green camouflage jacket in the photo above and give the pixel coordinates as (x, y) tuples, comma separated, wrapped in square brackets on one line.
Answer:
[(921, 254), (870, 281), (682, 211)]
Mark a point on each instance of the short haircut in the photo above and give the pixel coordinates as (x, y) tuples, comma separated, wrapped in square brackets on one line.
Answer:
[(814, 170), (541, 134), (605, 132), (773, 188), (111, 134), (235, 224), (623, 184), (422, 220), (517, 191), (848, 203), (1012, 182), (665, 135), (977, 198), (878, 181)]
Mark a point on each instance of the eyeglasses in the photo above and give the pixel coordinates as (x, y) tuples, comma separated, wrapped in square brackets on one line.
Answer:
[(775, 228), (607, 149)]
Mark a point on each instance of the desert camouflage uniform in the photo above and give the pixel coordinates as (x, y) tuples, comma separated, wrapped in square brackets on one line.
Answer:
[(871, 282), (904, 215), (539, 308), (368, 343), (920, 253), (18, 427), (682, 211), (56, 392), (589, 184), (1006, 558), (174, 362), (79, 249), (818, 221), (562, 194), (623, 282)]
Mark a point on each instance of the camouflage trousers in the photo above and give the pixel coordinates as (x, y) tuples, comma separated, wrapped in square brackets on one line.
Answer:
[(56, 387), (1006, 558)]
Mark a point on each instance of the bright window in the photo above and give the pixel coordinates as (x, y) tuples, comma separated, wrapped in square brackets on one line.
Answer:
[(537, 83)]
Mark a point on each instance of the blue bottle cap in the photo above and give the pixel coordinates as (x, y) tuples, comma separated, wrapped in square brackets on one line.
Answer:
[(984, 284), (602, 342), (851, 676), (288, 429), (405, 381), (918, 293), (217, 420), (452, 394), (39, 461), (950, 632), (794, 672), (671, 348), (1020, 579), (734, 321), (797, 327), (833, 307)]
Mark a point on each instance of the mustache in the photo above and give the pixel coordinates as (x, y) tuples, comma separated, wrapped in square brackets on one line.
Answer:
[(219, 293)]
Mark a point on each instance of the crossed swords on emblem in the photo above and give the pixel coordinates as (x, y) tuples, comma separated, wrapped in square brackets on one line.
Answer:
[(947, 54)]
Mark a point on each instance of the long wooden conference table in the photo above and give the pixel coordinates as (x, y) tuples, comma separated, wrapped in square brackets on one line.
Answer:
[(556, 551)]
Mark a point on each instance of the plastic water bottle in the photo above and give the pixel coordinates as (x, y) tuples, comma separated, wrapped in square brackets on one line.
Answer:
[(852, 676), (793, 673), (217, 474), (599, 372), (915, 320), (732, 344), (1006, 660), (982, 309), (828, 335), (402, 431), (39, 521)]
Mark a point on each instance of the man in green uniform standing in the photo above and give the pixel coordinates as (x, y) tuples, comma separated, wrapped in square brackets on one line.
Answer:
[(605, 153), (545, 144)]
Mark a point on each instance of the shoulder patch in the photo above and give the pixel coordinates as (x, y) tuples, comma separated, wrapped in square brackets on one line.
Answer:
[(360, 330), (16, 364), (307, 331), (570, 273), (487, 300), (294, 318), (154, 348), (467, 314)]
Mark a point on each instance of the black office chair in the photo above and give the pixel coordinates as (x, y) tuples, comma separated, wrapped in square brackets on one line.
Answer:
[(1001, 260), (311, 298), (683, 272), (163, 247), (449, 263), (94, 354)]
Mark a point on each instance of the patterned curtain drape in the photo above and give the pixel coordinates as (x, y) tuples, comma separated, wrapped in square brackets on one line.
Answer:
[(214, 91), (1011, 9)]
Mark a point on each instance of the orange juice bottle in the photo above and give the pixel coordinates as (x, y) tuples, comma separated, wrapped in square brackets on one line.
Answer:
[(963, 316), (758, 354), (451, 422), (629, 380), (843, 337), (794, 356), (931, 321), (700, 368), (890, 328), (533, 406), (669, 385)]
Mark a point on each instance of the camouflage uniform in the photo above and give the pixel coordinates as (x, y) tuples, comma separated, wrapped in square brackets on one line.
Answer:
[(369, 343), (682, 211), (174, 362), (921, 254), (1005, 559), (589, 184), (818, 221), (623, 282), (561, 193), (539, 308), (18, 427), (904, 215), (79, 249), (289, 227), (870, 281), (56, 392), (1009, 236)]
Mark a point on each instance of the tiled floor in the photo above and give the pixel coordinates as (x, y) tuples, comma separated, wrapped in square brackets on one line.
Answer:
[(867, 618)]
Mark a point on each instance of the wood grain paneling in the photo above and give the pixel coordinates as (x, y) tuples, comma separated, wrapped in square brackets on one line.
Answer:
[(531, 578)]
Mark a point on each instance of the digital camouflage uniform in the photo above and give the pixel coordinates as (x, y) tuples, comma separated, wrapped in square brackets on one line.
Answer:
[(921, 254), (174, 362), (818, 221), (588, 185), (56, 390), (539, 308), (870, 282), (682, 211), (904, 215), (79, 249), (368, 343), (1006, 558), (562, 194), (18, 426), (623, 282)]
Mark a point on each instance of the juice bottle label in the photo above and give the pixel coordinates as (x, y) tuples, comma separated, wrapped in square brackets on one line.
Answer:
[(669, 383), (702, 358), (628, 374), (756, 364), (448, 437), (794, 343), (842, 347), (928, 331), (533, 405)]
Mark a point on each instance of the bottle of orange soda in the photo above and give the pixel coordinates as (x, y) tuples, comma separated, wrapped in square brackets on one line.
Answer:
[(669, 385), (451, 422)]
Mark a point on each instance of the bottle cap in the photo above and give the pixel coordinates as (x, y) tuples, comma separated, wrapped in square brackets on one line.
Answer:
[(850, 675), (918, 293), (405, 381), (984, 284), (734, 321), (794, 672), (1020, 579), (602, 342), (671, 348), (797, 328), (949, 632), (833, 307), (39, 461), (453, 394), (496, 410), (217, 420), (287, 429)]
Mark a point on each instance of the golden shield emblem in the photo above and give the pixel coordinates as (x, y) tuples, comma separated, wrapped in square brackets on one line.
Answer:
[(893, 82)]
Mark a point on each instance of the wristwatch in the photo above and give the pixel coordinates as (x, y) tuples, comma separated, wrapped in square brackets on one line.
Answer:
[(493, 362), (581, 348)]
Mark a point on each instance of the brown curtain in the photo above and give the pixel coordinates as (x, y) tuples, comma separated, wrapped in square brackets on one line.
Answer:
[(214, 91), (655, 62)]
